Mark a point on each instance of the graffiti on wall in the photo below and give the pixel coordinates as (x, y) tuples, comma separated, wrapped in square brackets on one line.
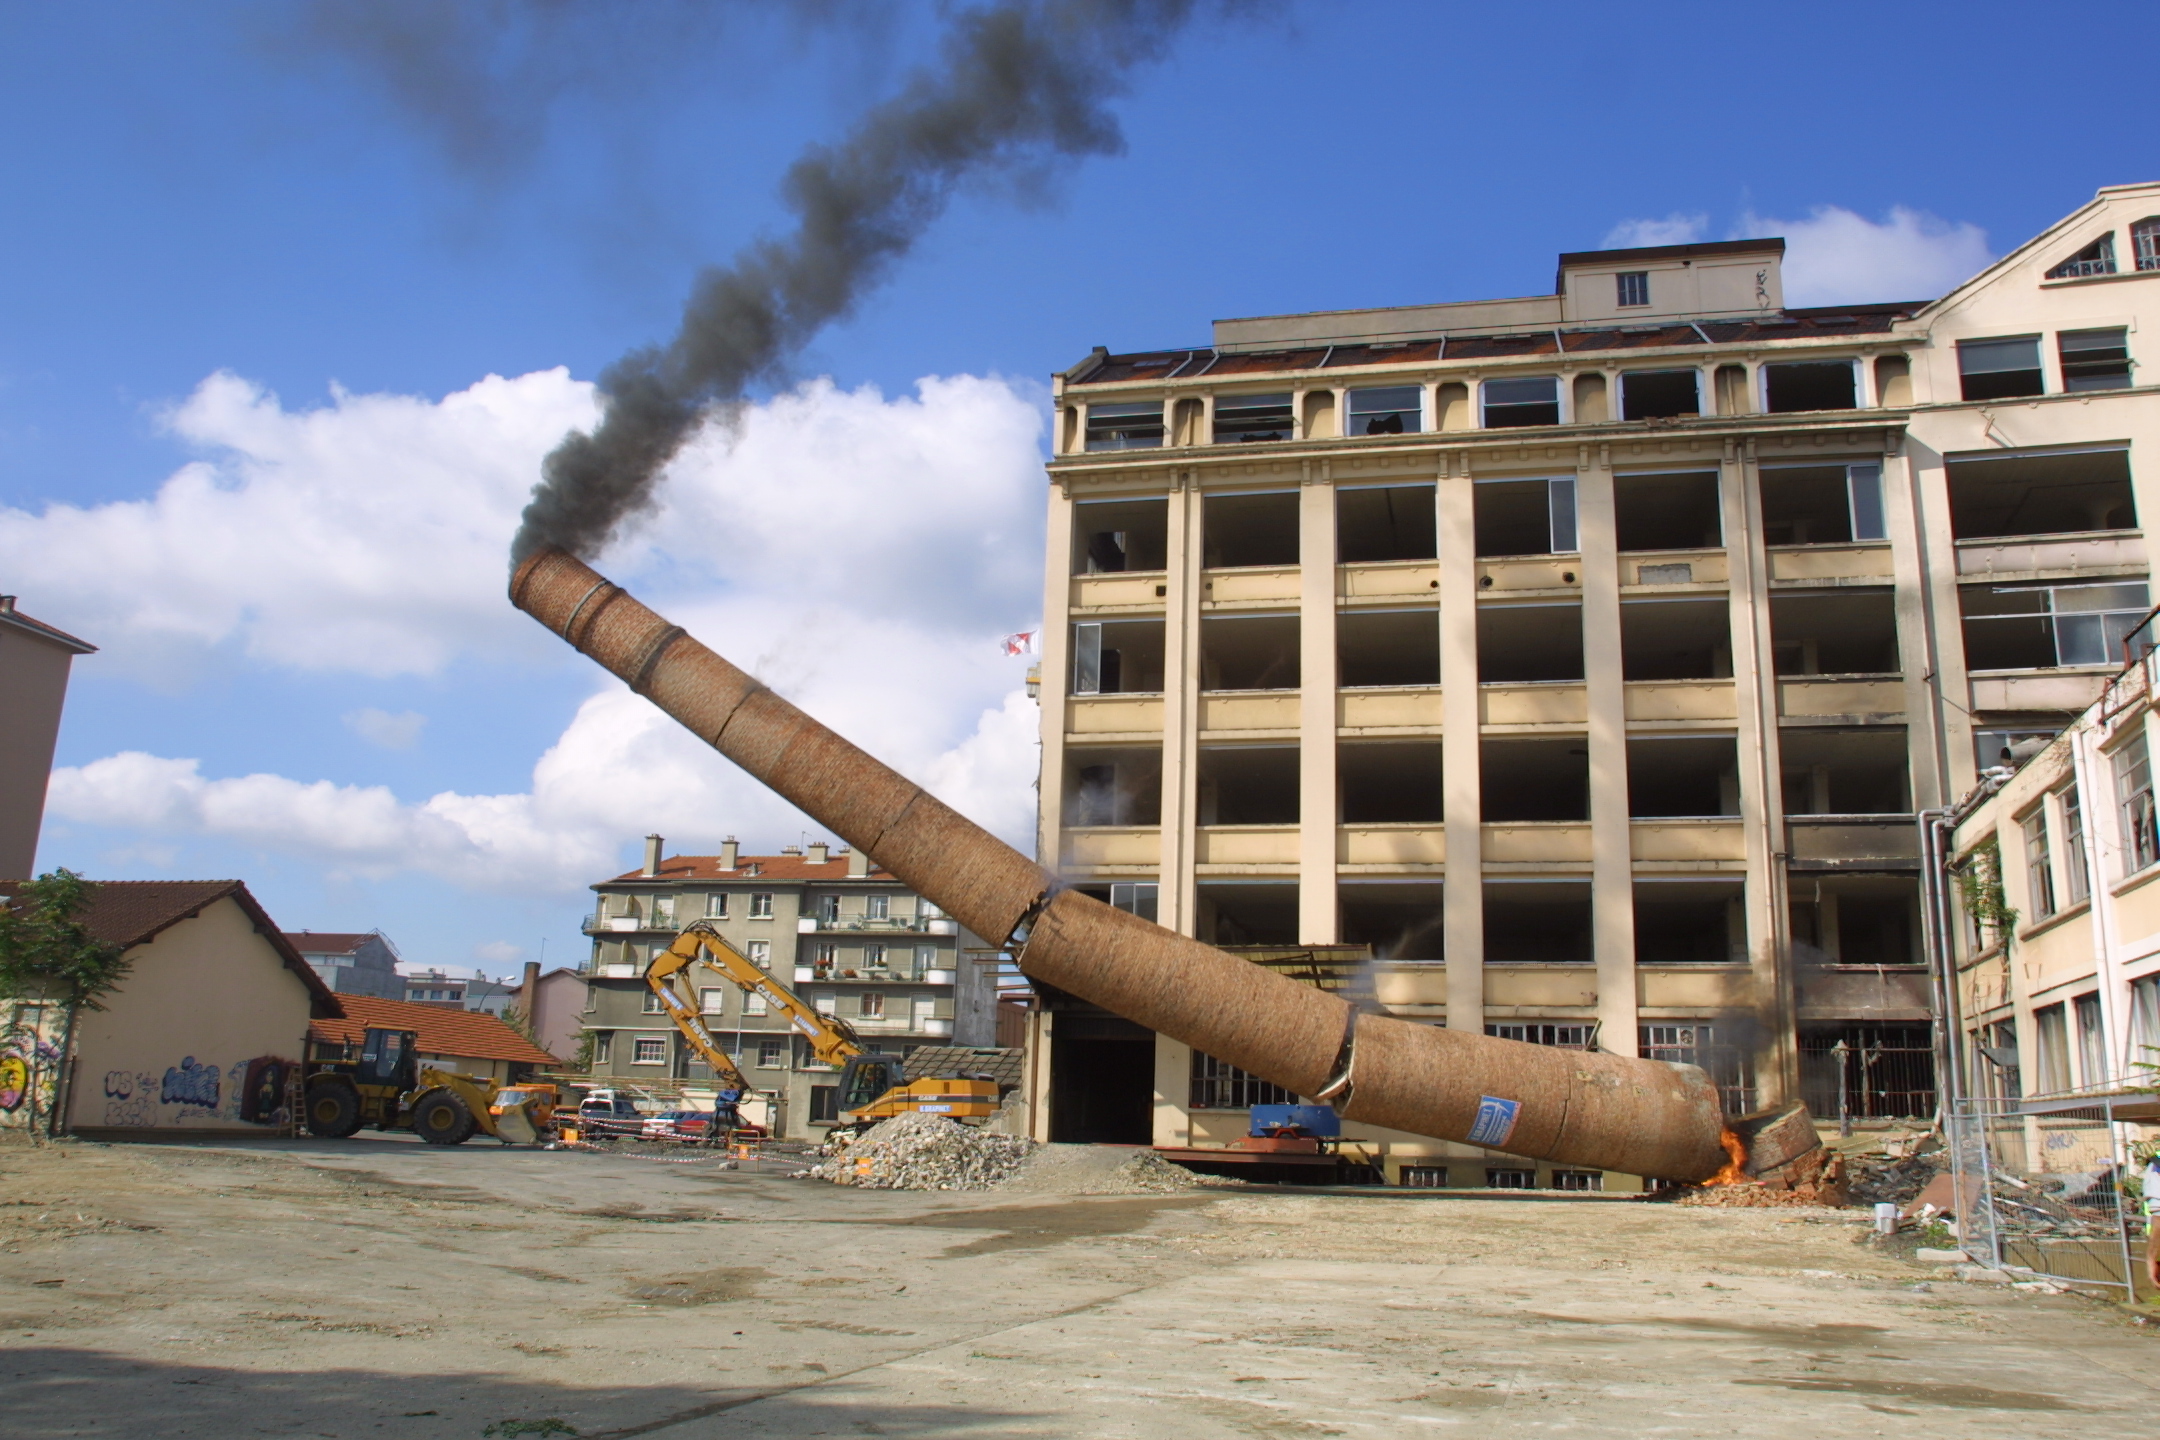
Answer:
[(29, 1065), (130, 1099), (14, 1082), (262, 1089), (192, 1087)]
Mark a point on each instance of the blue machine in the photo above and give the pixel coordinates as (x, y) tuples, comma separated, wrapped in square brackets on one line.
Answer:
[(1319, 1121)]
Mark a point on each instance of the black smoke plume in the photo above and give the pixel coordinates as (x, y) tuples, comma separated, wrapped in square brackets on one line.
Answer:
[(1020, 85)]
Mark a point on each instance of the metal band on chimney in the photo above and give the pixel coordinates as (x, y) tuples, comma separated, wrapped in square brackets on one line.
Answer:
[(571, 619), (659, 646)]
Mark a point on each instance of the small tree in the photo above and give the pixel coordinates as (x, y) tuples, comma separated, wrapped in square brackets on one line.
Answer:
[(48, 953)]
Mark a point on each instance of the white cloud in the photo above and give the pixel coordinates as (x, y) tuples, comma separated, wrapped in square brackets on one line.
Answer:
[(862, 555), (498, 952), (1835, 257), (1674, 229), (379, 727)]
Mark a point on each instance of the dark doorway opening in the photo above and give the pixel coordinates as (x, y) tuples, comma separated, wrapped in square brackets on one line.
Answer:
[(1102, 1080)]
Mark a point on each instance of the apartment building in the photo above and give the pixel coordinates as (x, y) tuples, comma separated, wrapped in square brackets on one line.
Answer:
[(1586, 655), (352, 963), (846, 936)]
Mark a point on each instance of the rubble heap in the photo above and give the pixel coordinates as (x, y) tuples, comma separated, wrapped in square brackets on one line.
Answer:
[(1817, 1178), (1896, 1179), (916, 1151)]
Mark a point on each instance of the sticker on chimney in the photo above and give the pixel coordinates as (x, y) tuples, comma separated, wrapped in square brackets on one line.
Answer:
[(1495, 1120)]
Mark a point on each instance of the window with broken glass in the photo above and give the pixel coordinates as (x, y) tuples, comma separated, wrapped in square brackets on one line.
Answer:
[(2040, 627), (2097, 258), (2095, 359), (1247, 419), (1216, 1085), (1559, 1037), (2145, 243), (1132, 426), (1395, 410), (1729, 1067)]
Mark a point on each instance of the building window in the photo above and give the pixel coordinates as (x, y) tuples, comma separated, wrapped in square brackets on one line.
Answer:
[(1424, 1177), (652, 1002), (828, 910), (649, 1050), (1124, 427), (1219, 1086), (716, 905), (1578, 1180), (1499, 1177), (1729, 1067), (592, 1000), (2000, 369), (603, 1046), (928, 910), (2094, 359), (2038, 627), (1395, 410), (1801, 385), (1559, 1037), (761, 907), (663, 911), (2051, 1044), (2145, 242), (1634, 287), (1997, 1046), (768, 1054), (873, 957), (825, 1004), (871, 1006), (2134, 798), (877, 907), (2144, 1017), (1510, 404), (1888, 1071), (712, 1001), (825, 1099), (1660, 394), (2091, 1041), (754, 1004), (2039, 870), (1246, 419), (2097, 258), (828, 954), (759, 953), (1135, 898), (2073, 813), (925, 959)]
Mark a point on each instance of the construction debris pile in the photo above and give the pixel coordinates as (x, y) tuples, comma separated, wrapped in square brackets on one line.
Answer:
[(1897, 1179), (1816, 1179), (918, 1151), (1103, 1170)]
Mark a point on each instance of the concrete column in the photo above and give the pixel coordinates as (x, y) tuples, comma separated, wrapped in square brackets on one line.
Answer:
[(1612, 865), (1943, 687), (1463, 914), (1762, 810), (1056, 650), (1181, 704), (1317, 913), (1918, 653)]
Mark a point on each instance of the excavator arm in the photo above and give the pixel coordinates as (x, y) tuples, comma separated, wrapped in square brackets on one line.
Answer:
[(832, 1041)]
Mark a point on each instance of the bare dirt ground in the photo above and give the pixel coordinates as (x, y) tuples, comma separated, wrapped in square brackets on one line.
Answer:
[(381, 1288)]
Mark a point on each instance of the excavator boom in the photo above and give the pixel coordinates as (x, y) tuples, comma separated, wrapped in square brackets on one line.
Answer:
[(832, 1041)]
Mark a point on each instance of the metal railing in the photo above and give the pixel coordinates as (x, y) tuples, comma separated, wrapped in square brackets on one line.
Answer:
[(2039, 1187)]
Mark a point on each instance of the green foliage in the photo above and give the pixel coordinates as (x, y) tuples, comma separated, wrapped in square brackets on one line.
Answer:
[(1936, 1236), (1980, 888), (45, 947), (587, 1044), (549, 1426)]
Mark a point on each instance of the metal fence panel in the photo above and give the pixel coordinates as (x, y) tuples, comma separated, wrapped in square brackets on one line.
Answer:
[(2042, 1192)]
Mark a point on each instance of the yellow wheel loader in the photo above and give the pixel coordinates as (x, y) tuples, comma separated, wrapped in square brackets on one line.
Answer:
[(388, 1088)]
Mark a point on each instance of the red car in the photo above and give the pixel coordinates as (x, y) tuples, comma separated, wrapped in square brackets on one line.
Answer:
[(691, 1127)]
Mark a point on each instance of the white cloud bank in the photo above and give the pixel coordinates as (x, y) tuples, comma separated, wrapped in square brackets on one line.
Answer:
[(1836, 257), (861, 554)]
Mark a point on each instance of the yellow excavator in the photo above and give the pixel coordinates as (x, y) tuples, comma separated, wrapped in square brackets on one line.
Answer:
[(872, 1087)]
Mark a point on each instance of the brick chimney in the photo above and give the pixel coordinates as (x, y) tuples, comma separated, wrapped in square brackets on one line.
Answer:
[(818, 853), (529, 990), (728, 853), (652, 857)]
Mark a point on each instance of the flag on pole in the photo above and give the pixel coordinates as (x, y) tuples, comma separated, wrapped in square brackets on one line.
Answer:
[(1020, 644)]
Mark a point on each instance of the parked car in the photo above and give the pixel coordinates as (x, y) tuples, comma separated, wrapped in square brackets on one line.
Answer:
[(690, 1126), (610, 1115)]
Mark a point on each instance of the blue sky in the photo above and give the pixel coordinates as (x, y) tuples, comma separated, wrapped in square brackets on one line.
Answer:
[(216, 190)]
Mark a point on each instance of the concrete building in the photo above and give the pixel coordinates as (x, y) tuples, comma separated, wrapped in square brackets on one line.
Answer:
[(202, 1035), (552, 1005), (352, 964), (34, 662), (846, 936), (1697, 597)]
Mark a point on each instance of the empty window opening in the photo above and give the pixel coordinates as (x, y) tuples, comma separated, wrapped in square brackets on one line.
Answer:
[(1134, 897), (2091, 1040), (1690, 922), (1396, 783), (1258, 914), (2041, 627), (1513, 403), (1634, 287), (1732, 390), (2012, 744), (1394, 410), (1247, 419), (1844, 632), (1249, 652), (1117, 535), (1241, 530), (1248, 785), (1508, 1178), (1219, 1085), (1393, 523), (2040, 891), (1583, 1180), (1319, 417), (1114, 786), (2145, 242), (2097, 258), (1822, 504), (1809, 385), (1118, 657), (1675, 640), (1136, 426), (1893, 381), (1557, 1036), (1388, 647), (1713, 1049), (1661, 394), (1668, 512), (2000, 369), (1537, 922), (1534, 779), (1867, 1070), (1423, 1177), (1845, 772), (2095, 359), (1525, 644), (1524, 517), (1590, 407), (2060, 494), (1399, 920), (1677, 776), (1867, 920)]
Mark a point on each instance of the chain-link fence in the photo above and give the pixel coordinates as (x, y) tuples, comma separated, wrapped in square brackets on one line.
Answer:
[(2039, 1189)]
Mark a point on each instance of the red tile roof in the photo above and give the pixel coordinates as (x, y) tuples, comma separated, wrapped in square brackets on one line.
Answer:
[(770, 867), (135, 912), (453, 1034)]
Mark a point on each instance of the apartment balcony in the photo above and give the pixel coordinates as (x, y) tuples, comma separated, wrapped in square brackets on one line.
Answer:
[(1249, 710), (842, 974), (1246, 845), (626, 925), (2099, 553), (1113, 846), (1388, 580), (1114, 715), (1699, 840), (1390, 845), (1540, 703), (1840, 992), (1852, 842), (1259, 585), (1527, 842), (1868, 562), (1410, 707), (1668, 701), (865, 925), (1842, 699), (1674, 569), (1123, 590)]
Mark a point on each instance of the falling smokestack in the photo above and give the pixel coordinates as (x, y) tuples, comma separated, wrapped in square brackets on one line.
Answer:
[(1610, 1112), (1020, 84)]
